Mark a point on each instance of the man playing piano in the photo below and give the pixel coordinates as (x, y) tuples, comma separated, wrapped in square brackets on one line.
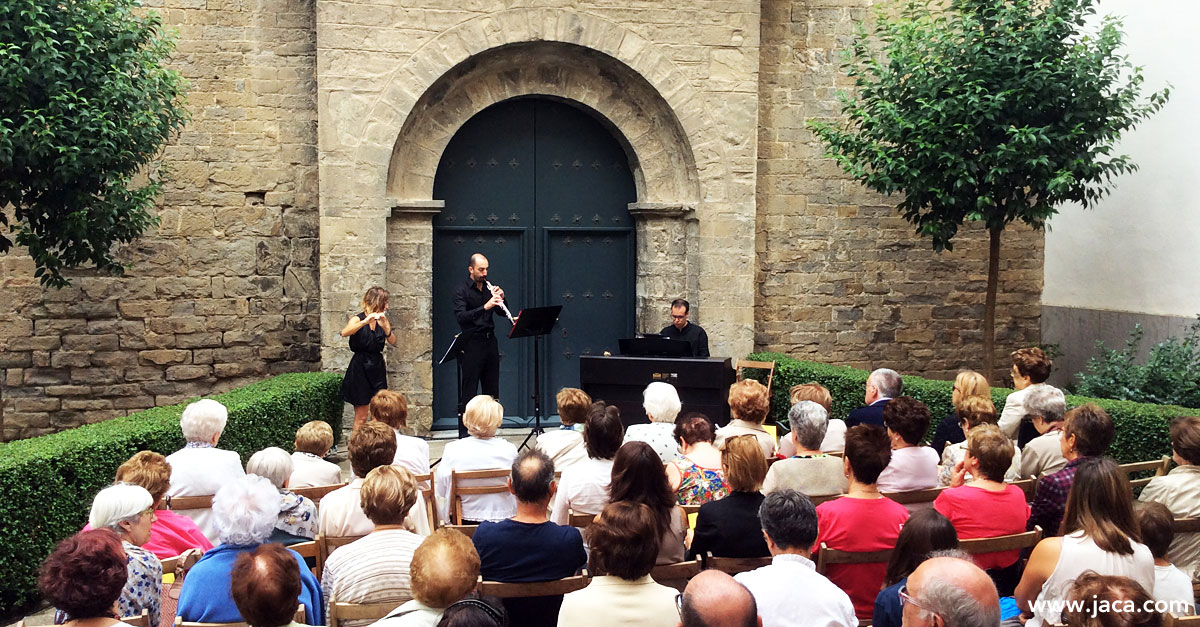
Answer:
[(681, 329)]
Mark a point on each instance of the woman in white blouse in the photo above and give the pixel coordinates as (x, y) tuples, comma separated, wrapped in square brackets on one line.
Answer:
[(662, 405), (913, 467), (584, 486), (480, 450), (200, 468)]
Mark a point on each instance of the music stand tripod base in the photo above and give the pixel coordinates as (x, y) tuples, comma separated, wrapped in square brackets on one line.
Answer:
[(535, 322)]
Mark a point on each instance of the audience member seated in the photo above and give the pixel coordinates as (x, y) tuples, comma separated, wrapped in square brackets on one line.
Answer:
[(1171, 585), (912, 466), (967, 383), (974, 411), (200, 468), (528, 547), (809, 471), (925, 532), (696, 477), (835, 433), (372, 445), (1179, 490), (1087, 432), (1031, 367), (244, 512), (480, 450), (565, 445), (84, 576), (624, 547), (1099, 535), (391, 408), (985, 506), (863, 520), (445, 568), (475, 612), (297, 514), (882, 386), (790, 591), (749, 404), (171, 533), (730, 526), (1045, 406), (713, 599), (638, 476), (128, 511), (952, 589), (309, 467), (1109, 601), (661, 402), (584, 486), (375, 569), (266, 587)]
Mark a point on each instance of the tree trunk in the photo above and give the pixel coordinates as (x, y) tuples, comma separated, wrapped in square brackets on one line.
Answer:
[(989, 308)]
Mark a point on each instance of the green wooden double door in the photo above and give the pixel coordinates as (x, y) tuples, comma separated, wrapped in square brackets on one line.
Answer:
[(541, 188)]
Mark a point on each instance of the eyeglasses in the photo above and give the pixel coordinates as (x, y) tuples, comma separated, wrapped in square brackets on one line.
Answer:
[(906, 599), (683, 317), (679, 604), (148, 510)]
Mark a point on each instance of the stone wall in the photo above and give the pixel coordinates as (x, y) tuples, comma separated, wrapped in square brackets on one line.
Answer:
[(841, 276), (225, 291)]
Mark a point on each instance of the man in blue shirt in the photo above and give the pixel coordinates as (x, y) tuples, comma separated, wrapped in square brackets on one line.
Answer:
[(528, 547)]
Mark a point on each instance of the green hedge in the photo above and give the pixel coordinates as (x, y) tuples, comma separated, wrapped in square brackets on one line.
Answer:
[(47, 483), (1141, 427)]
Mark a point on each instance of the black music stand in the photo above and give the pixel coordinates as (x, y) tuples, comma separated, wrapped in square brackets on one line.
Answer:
[(536, 322), (454, 353)]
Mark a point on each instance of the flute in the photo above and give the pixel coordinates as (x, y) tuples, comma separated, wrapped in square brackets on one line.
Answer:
[(503, 307)]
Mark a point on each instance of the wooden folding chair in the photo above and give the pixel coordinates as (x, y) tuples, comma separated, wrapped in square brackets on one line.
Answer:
[(425, 485), (503, 590), (915, 497), (1159, 466), (315, 493), (581, 521), (339, 611), (691, 509), (817, 500), (179, 622), (326, 545), (467, 530), (769, 366), (734, 565), (141, 620), (1171, 620), (178, 503), (1185, 525), (1028, 486), (827, 557), (676, 575), (995, 544), (457, 490)]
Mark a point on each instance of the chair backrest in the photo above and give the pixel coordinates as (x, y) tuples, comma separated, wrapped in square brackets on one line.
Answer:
[(769, 366), (317, 492), (1025, 539), (339, 611), (141, 620), (458, 489), (827, 556), (326, 545), (179, 622), (504, 590), (1028, 486), (676, 571), (1159, 466), (467, 530), (582, 521), (177, 503), (817, 500), (915, 496), (425, 485), (691, 509), (1186, 525), (1171, 620), (735, 565)]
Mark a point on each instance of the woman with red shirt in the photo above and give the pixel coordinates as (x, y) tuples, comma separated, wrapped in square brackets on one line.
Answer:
[(863, 520), (986, 507)]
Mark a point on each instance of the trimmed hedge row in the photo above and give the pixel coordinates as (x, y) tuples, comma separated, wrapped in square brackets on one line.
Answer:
[(47, 483), (1142, 428)]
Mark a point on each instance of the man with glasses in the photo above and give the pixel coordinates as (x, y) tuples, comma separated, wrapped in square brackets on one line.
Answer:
[(949, 590), (681, 329)]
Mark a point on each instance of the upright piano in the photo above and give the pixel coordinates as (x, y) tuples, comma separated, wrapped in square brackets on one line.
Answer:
[(702, 383)]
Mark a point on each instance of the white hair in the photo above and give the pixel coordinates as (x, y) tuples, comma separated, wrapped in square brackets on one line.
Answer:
[(119, 503), (1046, 401), (202, 420), (809, 421), (661, 402), (245, 511), (271, 463), (887, 381)]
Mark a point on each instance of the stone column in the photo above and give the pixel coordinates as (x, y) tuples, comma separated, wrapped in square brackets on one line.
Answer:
[(410, 281), (663, 269)]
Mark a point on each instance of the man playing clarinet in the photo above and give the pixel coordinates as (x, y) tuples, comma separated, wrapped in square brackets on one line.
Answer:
[(475, 304)]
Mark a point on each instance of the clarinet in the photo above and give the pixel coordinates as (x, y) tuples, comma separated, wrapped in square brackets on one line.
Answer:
[(503, 307)]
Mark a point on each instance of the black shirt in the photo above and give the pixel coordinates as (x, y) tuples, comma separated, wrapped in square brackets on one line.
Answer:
[(469, 311), (692, 334)]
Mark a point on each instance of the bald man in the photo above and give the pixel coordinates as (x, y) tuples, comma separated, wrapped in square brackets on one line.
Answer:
[(475, 307), (714, 599), (950, 586)]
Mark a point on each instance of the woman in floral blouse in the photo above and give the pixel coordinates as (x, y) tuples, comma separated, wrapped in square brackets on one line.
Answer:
[(696, 478), (297, 514)]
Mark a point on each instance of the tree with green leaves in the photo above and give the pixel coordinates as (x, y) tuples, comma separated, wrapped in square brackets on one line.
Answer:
[(987, 111), (85, 106)]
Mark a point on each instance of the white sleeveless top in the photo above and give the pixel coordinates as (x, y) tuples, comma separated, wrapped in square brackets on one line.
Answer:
[(1080, 554)]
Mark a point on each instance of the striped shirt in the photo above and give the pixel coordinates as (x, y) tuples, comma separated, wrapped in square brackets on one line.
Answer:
[(374, 569)]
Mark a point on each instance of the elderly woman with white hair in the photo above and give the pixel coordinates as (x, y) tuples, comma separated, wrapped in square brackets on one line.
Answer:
[(480, 450), (245, 512), (297, 514), (809, 471), (661, 402), (128, 511), (200, 468)]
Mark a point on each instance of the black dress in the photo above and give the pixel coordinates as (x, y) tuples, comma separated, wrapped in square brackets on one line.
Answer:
[(366, 373)]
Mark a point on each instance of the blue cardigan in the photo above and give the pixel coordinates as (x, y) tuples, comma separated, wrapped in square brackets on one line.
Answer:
[(206, 596)]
